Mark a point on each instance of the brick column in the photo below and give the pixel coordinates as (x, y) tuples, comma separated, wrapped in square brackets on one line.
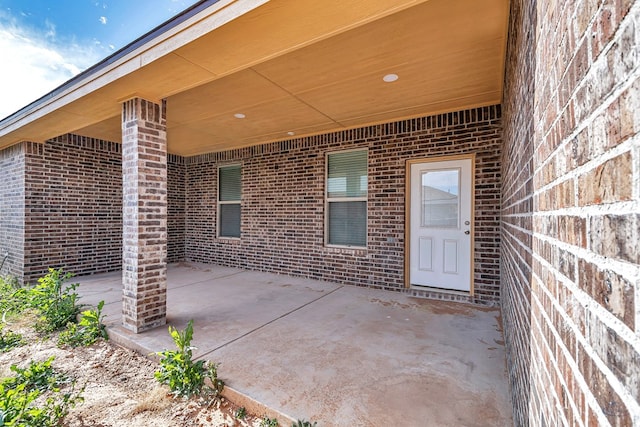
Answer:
[(144, 248)]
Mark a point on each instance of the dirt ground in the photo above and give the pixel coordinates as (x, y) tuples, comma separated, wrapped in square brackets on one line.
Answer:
[(120, 389)]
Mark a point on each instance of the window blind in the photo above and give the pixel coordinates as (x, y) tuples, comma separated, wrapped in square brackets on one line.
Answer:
[(347, 198), (230, 186), (347, 174), (229, 200)]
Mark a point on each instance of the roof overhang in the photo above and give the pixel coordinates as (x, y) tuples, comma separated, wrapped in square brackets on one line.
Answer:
[(290, 66)]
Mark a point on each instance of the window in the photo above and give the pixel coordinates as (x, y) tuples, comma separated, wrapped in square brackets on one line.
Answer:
[(229, 192), (441, 198), (346, 198)]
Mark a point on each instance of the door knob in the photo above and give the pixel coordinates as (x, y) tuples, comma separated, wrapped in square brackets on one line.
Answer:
[(467, 232)]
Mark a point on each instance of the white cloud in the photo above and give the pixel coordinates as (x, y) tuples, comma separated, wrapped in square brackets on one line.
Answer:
[(103, 20), (51, 30), (35, 63)]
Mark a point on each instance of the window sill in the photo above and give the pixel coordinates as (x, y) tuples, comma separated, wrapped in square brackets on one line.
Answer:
[(352, 250), (223, 239)]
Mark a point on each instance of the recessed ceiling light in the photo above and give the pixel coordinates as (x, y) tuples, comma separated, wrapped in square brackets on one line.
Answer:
[(390, 78), (291, 133), (239, 116)]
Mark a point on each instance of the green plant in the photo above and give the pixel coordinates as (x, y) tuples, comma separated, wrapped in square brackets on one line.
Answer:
[(217, 385), (87, 331), (20, 402), (178, 370), (304, 423), (269, 422), (19, 407), (14, 406), (55, 302), (13, 298), (9, 340), (37, 376), (241, 413)]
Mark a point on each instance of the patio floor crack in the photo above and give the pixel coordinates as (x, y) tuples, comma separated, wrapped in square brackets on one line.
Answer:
[(268, 323)]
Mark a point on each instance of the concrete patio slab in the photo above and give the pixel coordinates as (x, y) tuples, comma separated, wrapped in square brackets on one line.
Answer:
[(339, 355)]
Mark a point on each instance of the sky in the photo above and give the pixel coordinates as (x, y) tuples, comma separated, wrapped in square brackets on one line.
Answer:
[(44, 43)]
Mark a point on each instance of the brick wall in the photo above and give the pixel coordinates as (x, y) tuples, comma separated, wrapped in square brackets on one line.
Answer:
[(73, 206), (144, 217), (176, 209), (74, 203), (283, 201), (12, 211), (582, 325), (517, 202)]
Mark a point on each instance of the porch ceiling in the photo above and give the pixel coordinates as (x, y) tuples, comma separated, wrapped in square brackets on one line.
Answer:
[(298, 66)]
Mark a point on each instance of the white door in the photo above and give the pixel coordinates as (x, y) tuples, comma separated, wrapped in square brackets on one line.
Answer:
[(441, 220)]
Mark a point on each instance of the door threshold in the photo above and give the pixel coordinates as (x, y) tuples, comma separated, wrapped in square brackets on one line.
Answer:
[(440, 294), (439, 290)]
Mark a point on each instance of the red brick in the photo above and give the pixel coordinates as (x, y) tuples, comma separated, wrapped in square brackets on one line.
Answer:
[(608, 182), (579, 54), (144, 254), (283, 231)]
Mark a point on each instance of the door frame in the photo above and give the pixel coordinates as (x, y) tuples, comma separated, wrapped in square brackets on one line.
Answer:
[(407, 213)]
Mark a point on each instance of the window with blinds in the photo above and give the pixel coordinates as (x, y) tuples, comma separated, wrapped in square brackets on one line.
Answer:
[(229, 194), (346, 199)]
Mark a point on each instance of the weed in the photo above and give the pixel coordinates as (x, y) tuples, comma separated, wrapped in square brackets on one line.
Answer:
[(13, 298), (87, 331), (178, 370), (9, 340), (241, 413), (212, 374), (303, 423), (269, 422), (14, 406), (20, 395), (55, 302), (37, 376)]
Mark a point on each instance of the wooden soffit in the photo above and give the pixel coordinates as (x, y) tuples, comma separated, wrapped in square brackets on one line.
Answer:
[(297, 67)]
